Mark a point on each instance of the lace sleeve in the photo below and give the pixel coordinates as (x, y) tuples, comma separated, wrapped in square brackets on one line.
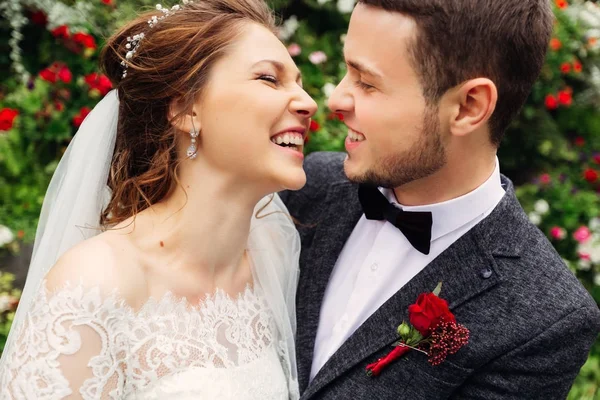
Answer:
[(62, 349)]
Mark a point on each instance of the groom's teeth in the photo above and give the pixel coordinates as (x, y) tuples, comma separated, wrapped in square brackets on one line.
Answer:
[(355, 136)]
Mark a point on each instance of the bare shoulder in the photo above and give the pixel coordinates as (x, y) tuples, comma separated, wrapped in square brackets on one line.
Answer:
[(97, 262)]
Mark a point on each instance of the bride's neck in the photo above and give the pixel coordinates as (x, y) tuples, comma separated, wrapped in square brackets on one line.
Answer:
[(203, 225)]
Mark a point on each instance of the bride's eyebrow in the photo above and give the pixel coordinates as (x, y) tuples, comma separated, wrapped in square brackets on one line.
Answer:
[(279, 66)]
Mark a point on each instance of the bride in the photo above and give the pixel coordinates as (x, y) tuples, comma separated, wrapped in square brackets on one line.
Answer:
[(176, 280)]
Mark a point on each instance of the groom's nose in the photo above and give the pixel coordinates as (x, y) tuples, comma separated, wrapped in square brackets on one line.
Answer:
[(341, 99)]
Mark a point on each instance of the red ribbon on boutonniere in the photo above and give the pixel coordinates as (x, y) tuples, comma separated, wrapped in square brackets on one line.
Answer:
[(432, 331)]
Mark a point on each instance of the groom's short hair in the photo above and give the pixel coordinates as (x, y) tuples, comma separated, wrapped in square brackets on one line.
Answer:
[(457, 40)]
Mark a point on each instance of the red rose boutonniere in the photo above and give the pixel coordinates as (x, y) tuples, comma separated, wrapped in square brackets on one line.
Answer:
[(432, 331)]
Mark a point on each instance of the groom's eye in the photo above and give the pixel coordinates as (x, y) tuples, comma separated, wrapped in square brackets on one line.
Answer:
[(363, 85)]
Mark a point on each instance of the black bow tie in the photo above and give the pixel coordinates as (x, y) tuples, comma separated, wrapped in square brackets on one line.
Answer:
[(415, 225)]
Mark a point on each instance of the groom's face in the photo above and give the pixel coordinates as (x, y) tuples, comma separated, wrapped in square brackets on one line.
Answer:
[(395, 137)]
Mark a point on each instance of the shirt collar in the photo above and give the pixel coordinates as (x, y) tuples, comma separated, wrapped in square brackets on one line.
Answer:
[(452, 214)]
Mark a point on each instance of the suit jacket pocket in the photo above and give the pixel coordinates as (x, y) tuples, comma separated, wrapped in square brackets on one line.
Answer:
[(433, 382)]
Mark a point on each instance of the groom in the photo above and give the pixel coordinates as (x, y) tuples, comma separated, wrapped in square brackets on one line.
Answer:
[(419, 199)]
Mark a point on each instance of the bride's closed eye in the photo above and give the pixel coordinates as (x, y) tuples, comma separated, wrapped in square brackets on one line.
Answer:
[(268, 78)]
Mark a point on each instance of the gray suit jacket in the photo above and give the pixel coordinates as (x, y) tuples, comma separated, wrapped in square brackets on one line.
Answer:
[(532, 323)]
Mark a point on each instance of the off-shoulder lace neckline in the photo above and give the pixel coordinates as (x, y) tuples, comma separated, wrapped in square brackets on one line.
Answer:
[(250, 294)]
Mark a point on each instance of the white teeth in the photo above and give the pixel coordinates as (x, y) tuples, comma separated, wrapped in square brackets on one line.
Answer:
[(290, 138), (355, 136)]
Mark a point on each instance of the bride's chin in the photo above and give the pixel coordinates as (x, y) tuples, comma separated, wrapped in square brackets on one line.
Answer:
[(294, 183)]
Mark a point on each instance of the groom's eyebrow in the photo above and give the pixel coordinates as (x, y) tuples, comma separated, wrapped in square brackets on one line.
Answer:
[(363, 69)]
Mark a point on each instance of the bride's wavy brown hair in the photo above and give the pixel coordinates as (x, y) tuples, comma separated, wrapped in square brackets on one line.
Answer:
[(172, 63)]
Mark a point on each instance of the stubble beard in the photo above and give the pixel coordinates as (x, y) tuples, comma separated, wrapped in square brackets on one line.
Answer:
[(424, 158)]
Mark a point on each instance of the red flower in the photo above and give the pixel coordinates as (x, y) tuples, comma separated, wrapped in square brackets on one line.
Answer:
[(99, 82), (314, 125), (21, 234), (579, 141), (545, 179), (65, 74), (597, 158), (48, 75), (434, 332), (39, 18), (375, 368), (428, 312), (7, 118), (565, 68), (78, 119), (334, 115), (590, 175), (85, 40), (551, 102), (577, 67), (58, 106), (61, 32), (107, 2), (555, 44), (565, 97), (562, 4)]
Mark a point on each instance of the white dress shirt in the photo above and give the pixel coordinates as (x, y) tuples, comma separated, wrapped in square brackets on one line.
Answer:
[(377, 261)]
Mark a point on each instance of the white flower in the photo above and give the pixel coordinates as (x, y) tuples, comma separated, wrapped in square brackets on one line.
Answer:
[(535, 218), (584, 265), (591, 247), (541, 207), (6, 236), (345, 6), (343, 38), (4, 302), (597, 279), (321, 2), (328, 89), (594, 224), (317, 57), (288, 28)]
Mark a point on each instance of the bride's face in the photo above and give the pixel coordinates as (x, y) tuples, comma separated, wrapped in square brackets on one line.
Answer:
[(254, 114)]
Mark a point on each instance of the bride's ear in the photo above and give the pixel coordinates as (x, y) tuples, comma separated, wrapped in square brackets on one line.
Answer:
[(182, 119)]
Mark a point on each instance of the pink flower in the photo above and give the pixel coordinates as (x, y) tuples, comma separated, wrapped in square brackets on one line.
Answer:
[(294, 49), (582, 234), (558, 233), (584, 256), (317, 57)]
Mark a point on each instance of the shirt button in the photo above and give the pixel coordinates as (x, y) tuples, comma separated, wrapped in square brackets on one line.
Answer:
[(374, 266), (486, 273)]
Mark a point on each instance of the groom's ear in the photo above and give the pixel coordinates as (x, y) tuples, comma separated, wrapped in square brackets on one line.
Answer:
[(474, 102), (184, 119)]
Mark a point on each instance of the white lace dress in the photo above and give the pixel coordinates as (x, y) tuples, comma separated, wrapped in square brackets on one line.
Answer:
[(78, 343)]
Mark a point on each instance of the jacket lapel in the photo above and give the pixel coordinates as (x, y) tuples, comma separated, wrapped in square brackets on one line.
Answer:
[(466, 269), (342, 211)]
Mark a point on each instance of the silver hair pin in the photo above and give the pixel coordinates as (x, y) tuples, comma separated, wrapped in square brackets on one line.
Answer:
[(133, 42)]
